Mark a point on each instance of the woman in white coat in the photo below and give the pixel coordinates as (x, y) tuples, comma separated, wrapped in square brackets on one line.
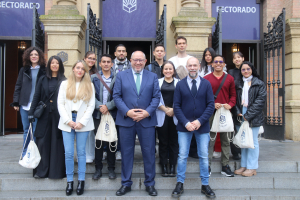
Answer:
[(166, 128), (76, 102)]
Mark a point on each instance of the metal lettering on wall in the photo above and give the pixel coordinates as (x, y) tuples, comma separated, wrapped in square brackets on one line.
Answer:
[(16, 17), (241, 19)]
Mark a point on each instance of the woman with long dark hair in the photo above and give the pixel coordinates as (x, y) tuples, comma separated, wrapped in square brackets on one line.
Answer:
[(250, 100), (206, 62), (48, 136), (238, 59), (33, 69), (90, 60), (166, 128)]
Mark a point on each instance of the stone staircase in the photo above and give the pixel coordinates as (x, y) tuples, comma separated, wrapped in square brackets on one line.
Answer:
[(277, 178)]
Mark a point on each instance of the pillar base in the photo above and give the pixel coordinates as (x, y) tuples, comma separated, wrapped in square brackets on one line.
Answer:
[(292, 116)]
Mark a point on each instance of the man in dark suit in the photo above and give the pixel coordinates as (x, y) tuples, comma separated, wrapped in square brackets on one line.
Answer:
[(137, 95), (193, 106)]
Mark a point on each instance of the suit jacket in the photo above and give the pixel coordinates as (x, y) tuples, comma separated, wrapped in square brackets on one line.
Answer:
[(126, 97), (84, 113), (188, 108), (99, 97)]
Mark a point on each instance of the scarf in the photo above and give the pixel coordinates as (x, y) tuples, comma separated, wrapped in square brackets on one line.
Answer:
[(246, 90), (117, 63)]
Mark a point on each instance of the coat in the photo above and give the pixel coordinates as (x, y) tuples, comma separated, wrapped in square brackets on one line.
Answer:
[(99, 97), (188, 108), (126, 97), (23, 85), (155, 68), (42, 94), (256, 102), (84, 113)]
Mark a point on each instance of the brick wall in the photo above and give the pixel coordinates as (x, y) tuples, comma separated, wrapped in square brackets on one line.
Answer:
[(48, 5)]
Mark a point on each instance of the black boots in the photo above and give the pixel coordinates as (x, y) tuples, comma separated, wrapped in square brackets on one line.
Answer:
[(165, 170), (172, 171), (97, 174), (80, 187), (178, 190), (69, 188)]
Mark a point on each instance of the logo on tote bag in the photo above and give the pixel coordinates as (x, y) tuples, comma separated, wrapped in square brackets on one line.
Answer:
[(129, 5)]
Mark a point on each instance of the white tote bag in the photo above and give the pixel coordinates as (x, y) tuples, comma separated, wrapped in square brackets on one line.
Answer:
[(222, 121), (244, 138), (107, 131), (32, 157)]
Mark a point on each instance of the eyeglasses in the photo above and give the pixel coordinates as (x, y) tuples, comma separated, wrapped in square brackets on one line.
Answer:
[(137, 60), (218, 61), (91, 58), (248, 69)]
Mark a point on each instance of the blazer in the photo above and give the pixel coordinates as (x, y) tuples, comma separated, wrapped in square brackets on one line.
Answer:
[(84, 113), (126, 97), (23, 85), (99, 96), (188, 108), (159, 113)]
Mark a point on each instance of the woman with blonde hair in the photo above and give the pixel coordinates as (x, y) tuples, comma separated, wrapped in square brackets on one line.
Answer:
[(76, 103)]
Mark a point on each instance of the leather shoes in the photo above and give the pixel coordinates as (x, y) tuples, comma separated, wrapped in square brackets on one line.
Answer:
[(69, 188), (151, 190), (97, 174), (80, 188), (178, 190), (172, 171), (111, 174), (123, 190), (164, 170), (208, 191)]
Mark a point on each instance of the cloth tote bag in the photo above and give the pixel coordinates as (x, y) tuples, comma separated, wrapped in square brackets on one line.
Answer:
[(244, 138), (107, 131), (32, 157), (222, 121)]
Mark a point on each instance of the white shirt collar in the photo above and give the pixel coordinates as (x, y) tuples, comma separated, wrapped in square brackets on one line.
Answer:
[(37, 67)]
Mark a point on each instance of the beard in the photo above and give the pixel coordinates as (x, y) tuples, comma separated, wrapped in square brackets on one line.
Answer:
[(194, 75)]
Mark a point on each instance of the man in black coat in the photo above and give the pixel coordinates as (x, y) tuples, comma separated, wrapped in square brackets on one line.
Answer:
[(155, 66)]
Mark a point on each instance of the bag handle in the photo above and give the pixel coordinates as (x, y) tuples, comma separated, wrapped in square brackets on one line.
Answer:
[(110, 145), (219, 89), (31, 135), (213, 139), (105, 85), (96, 144)]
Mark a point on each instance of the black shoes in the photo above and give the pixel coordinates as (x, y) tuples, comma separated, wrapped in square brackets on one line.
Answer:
[(69, 188), (151, 190), (172, 171), (123, 190), (165, 170), (111, 174), (227, 171), (97, 174), (80, 188), (178, 190), (205, 189), (236, 157)]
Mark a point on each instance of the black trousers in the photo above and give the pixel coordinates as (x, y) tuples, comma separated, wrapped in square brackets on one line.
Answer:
[(168, 142), (111, 156)]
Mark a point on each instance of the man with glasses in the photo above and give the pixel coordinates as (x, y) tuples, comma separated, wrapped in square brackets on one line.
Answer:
[(120, 62), (226, 98), (137, 96)]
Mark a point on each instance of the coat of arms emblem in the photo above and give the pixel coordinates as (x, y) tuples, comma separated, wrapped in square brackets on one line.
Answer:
[(129, 5)]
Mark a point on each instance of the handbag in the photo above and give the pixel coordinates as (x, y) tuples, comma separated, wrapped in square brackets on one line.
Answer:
[(244, 137), (41, 105), (32, 157), (107, 131), (181, 72), (222, 121)]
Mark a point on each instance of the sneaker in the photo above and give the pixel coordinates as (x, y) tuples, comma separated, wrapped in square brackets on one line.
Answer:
[(88, 160), (209, 170), (118, 155), (104, 155), (217, 154), (227, 171)]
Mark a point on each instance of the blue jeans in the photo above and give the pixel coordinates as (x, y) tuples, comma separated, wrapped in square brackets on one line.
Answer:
[(25, 122), (184, 141), (69, 138), (249, 157)]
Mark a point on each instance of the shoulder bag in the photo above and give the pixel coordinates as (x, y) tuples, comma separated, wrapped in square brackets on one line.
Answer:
[(105, 85)]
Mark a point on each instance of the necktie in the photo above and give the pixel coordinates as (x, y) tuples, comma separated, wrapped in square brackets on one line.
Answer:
[(138, 82), (194, 88)]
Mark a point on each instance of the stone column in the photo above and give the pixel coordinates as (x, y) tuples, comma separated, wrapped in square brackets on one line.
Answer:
[(65, 29), (292, 81), (193, 23)]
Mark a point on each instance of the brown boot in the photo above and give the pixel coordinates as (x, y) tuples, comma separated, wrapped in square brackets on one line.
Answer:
[(249, 172), (240, 170)]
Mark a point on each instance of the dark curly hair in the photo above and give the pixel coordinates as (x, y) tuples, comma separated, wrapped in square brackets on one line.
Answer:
[(254, 71), (26, 56), (61, 69)]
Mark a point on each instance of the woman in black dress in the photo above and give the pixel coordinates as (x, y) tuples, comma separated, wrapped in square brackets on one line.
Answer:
[(48, 137)]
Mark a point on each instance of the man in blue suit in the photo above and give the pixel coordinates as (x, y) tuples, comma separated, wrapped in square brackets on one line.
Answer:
[(137, 95), (193, 106)]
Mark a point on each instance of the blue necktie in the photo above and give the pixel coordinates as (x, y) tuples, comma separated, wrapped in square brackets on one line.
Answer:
[(138, 83), (194, 88)]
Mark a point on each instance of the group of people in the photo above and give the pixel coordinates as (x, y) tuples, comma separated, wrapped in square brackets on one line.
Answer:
[(143, 101)]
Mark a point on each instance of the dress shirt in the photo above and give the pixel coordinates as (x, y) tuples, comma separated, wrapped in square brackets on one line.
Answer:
[(134, 75), (105, 91)]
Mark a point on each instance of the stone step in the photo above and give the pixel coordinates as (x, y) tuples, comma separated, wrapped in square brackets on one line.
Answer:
[(192, 166), (25, 182), (237, 194)]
